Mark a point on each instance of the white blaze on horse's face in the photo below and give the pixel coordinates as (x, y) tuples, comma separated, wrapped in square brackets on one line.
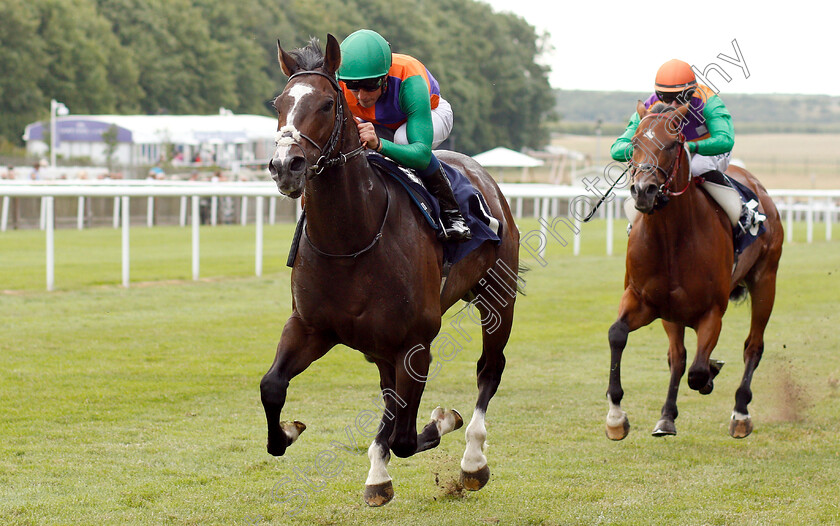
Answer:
[(288, 164), (288, 134)]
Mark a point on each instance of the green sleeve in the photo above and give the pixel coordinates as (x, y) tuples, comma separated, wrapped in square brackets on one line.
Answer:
[(721, 131), (415, 103), (622, 149)]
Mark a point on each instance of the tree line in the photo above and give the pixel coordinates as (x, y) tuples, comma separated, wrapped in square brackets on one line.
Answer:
[(752, 113), (195, 56)]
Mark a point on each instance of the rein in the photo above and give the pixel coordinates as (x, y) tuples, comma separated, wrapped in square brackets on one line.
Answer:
[(370, 245), (325, 160), (665, 187)]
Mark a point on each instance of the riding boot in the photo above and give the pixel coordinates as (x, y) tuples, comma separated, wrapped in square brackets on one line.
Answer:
[(454, 226), (745, 216)]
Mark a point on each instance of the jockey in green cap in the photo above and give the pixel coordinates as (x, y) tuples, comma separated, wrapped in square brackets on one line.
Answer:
[(400, 113)]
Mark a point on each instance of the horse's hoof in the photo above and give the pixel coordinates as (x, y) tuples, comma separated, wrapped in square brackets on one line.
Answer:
[(664, 428), (619, 431), (292, 430), (708, 388), (446, 420), (476, 480), (459, 420), (379, 494), (740, 428)]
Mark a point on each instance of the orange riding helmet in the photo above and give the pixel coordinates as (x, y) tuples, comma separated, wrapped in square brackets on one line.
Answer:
[(675, 79)]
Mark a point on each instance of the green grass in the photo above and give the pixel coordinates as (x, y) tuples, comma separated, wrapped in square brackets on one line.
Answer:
[(141, 405)]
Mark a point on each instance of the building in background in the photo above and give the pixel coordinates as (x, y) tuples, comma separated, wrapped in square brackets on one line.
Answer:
[(226, 140)]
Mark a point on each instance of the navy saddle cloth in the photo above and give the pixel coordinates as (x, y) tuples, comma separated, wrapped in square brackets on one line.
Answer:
[(483, 225), (742, 239)]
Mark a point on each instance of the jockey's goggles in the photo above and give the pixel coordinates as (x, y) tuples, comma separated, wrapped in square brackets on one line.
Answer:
[(365, 84), (670, 96)]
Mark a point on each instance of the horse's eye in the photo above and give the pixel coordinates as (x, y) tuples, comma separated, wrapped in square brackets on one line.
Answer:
[(327, 106)]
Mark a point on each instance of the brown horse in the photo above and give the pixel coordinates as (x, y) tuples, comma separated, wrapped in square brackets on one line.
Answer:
[(370, 275), (680, 269)]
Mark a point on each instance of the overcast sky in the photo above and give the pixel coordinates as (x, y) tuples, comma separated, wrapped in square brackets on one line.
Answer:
[(609, 45)]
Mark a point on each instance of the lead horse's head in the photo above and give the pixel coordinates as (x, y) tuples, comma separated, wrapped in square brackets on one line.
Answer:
[(310, 116), (658, 154)]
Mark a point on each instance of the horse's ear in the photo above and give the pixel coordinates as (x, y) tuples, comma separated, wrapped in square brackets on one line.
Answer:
[(640, 109), (287, 63), (332, 59), (674, 124)]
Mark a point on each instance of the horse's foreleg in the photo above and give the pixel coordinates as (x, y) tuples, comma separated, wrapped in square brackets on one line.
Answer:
[(701, 374), (676, 363), (632, 314), (298, 348), (763, 295), (378, 487)]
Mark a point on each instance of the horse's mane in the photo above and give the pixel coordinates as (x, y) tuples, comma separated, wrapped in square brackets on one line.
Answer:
[(661, 107), (309, 57)]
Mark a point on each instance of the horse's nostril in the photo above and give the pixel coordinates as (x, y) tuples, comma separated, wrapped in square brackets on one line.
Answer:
[(297, 165), (650, 190), (272, 168)]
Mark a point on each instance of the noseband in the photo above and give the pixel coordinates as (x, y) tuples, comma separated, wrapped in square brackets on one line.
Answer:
[(325, 159)]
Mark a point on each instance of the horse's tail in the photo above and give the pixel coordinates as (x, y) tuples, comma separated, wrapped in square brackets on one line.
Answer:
[(520, 284), (739, 293)]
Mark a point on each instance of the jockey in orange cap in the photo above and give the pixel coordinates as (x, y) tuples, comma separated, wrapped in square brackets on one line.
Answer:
[(709, 136)]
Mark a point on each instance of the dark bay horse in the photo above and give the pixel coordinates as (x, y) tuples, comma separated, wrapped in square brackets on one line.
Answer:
[(680, 269), (369, 275)]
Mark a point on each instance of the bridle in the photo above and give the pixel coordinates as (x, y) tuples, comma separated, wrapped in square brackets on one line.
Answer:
[(665, 190), (325, 159)]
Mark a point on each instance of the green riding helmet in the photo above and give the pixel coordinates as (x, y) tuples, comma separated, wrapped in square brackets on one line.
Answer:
[(364, 55)]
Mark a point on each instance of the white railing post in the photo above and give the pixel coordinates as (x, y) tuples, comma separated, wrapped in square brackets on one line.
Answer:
[(272, 210), (126, 220), (182, 216), (195, 222), (150, 211), (116, 212), (80, 213), (809, 219), (258, 256), (244, 210), (47, 204), (4, 218), (789, 220), (42, 220)]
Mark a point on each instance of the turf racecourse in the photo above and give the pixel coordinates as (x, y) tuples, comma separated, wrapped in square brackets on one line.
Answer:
[(141, 405)]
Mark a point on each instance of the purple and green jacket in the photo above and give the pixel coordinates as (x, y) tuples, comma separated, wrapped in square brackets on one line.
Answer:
[(708, 127)]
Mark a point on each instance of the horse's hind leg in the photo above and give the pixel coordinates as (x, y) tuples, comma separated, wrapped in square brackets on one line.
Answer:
[(411, 375), (496, 322), (676, 363), (298, 348), (762, 295)]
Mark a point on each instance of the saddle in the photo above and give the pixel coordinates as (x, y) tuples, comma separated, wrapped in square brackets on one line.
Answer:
[(483, 225)]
